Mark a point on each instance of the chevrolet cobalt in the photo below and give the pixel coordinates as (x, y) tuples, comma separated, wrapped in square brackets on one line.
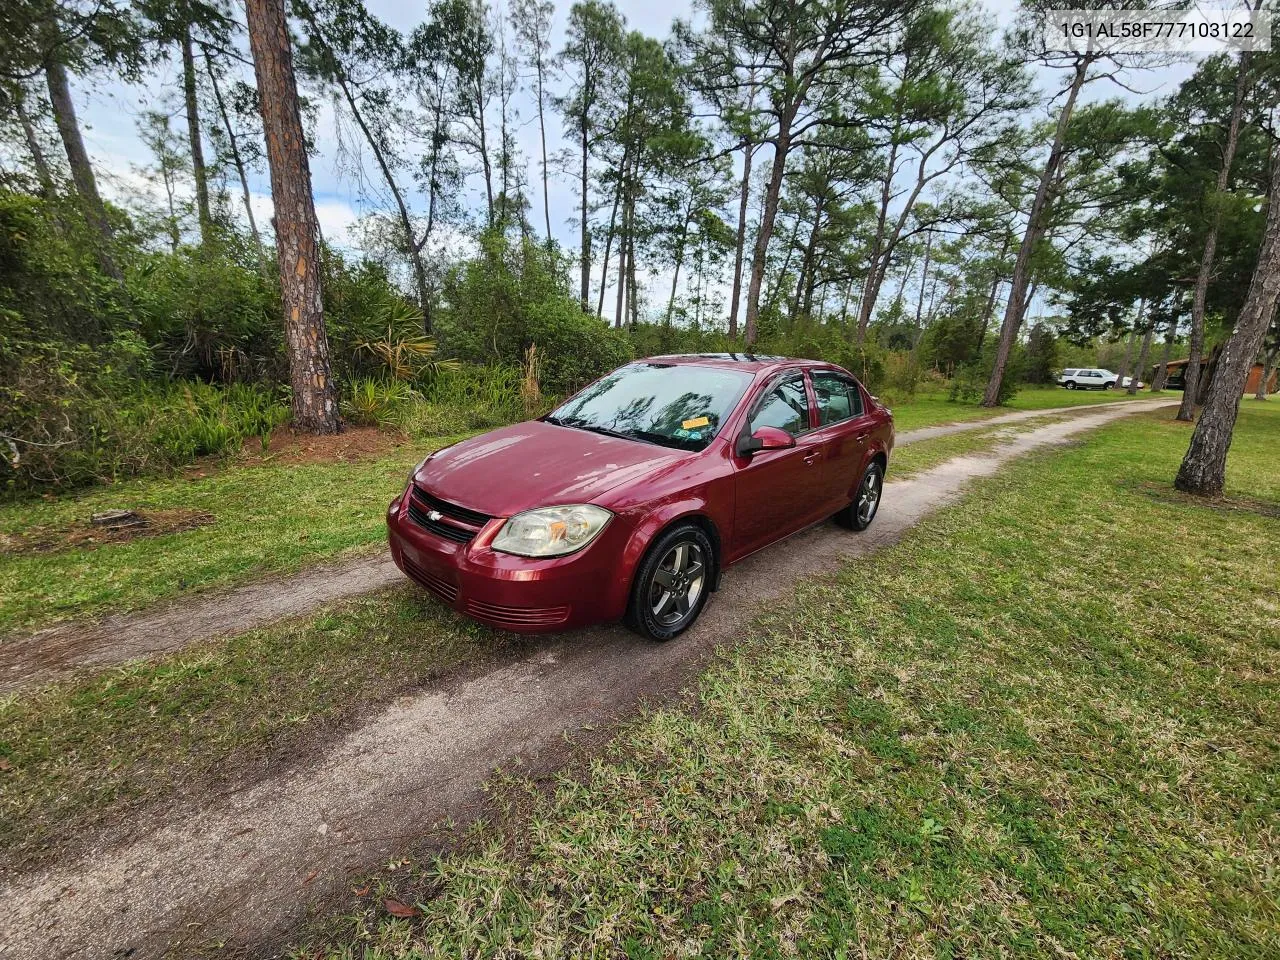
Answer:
[(631, 499)]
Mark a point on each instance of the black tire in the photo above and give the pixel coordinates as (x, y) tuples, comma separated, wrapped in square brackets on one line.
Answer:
[(1070, 384), (860, 514), (1109, 385), (661, 608)]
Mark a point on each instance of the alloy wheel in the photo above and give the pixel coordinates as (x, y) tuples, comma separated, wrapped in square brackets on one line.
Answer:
[(869, 497), (677, 583)]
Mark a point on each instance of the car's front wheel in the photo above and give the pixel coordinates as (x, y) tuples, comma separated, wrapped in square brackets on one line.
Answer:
[(672, 583), (1070, 384), (859, 514)]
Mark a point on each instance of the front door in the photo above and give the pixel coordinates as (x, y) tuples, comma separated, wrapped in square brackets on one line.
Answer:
[(779, 491)]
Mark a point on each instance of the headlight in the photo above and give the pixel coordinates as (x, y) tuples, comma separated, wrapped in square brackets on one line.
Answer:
[(551, 531)]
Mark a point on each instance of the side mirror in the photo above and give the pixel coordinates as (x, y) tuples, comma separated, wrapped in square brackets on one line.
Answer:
[(765, 438)]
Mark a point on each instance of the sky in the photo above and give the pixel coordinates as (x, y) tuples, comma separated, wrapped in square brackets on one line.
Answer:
[(109, 112)]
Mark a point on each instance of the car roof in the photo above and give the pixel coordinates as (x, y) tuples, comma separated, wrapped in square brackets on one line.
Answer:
[(753, 363)]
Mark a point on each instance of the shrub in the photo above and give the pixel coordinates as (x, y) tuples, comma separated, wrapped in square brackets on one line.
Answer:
[(71, 415), (373, 402), (211, 315), (970, 381), (514, 295)]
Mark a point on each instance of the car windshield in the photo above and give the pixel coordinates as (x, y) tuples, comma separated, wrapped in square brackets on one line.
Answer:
[(671, 404)]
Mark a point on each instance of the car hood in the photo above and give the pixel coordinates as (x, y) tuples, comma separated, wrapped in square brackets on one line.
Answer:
[(536, 464)]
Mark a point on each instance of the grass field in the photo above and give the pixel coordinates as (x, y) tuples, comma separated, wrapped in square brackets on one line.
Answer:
[(930, 404), (985, 741), (268, 519)]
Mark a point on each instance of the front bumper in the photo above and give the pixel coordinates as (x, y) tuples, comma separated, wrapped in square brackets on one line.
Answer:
[(519, 594)]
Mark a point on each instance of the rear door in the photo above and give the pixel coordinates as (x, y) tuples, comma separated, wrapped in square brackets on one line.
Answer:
[(844, 425), (779, 491)]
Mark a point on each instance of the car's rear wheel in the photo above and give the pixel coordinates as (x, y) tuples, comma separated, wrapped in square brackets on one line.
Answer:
[(859, 514), (1070, 384), (672, 584)]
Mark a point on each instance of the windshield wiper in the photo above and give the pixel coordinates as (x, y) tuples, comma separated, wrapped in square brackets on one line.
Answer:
[(637, 436), (591, 427), (675, 443)]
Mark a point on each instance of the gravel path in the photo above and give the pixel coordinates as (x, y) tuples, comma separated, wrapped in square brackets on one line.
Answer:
[(248, 866)]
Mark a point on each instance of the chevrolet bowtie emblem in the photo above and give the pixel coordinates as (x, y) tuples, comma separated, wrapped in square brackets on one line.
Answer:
[(435, 516)]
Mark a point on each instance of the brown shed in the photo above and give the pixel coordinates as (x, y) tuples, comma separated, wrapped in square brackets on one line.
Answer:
[(1177, 367)]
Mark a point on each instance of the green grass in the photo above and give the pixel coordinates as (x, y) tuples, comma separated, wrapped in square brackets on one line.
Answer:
[(1041, 398), (930, 405), (269, 519), (984, 741), (924, 455), (87, 751)]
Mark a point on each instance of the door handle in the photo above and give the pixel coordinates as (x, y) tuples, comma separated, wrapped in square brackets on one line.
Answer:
[(861, 438), (812, 457)]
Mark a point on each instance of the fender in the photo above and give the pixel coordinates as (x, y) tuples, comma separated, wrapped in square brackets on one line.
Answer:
[(657, 521), (877, 447)]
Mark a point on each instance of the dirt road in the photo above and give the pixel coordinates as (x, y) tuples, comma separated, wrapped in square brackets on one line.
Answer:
[(52, 653), (245, 867)]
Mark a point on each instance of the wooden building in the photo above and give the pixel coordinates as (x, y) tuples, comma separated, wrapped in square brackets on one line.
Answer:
[(1178, 367)]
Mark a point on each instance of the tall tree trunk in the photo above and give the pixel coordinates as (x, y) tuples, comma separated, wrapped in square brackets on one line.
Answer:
[(748, 152), (1036, 226), (1191, 375), (803, 298), (542, 133), (924, 273), (1128, 355), (1268, 368), (234, 143), (198, 170), (1162, 374), (1207, 375), (95, 212), (584, 177), (996, 280), (633, 299), (608, 237), (315, 400), (1204, 468), (775, 294), (622, 269), (675, 275), (875, 269), (43, 173), (773, 193), (1144, 354)]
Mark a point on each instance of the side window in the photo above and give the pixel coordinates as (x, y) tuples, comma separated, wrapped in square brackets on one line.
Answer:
[(786, 406), (838, 397)]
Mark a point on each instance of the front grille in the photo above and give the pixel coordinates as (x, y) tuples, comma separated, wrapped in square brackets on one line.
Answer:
[(518, 616), (442, 588), (451, 510), (455, 523)]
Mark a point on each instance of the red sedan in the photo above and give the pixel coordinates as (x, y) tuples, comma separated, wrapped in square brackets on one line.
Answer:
[(631, 499)]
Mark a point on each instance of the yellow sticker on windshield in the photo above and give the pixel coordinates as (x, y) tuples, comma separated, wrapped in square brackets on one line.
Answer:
[(696, 422)]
